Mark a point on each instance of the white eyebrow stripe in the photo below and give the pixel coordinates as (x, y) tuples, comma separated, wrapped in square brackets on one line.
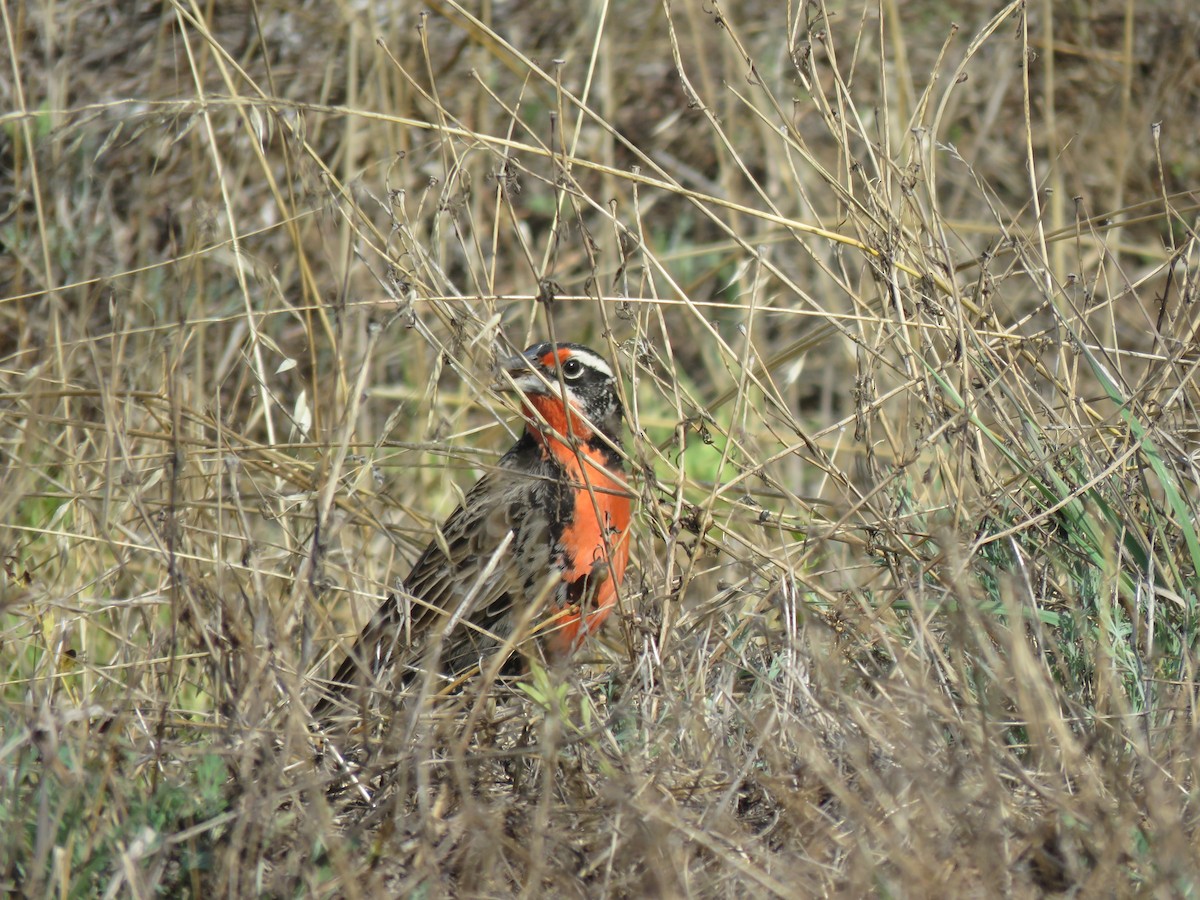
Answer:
[(593, 361)]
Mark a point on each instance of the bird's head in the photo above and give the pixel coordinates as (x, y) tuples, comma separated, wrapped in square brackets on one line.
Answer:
[(568, 387)]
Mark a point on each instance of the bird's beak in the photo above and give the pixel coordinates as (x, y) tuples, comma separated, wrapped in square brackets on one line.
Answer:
[(516, 375)]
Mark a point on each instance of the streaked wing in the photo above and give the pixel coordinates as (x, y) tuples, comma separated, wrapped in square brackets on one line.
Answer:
[(455, 582)]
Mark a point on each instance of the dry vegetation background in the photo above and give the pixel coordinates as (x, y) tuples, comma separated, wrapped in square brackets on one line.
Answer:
[(904, 300)]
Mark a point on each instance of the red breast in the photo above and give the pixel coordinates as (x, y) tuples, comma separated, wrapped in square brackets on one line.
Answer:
[(580, 428)]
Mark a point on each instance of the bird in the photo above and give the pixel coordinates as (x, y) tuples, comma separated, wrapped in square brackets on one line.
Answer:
[(540, 542)]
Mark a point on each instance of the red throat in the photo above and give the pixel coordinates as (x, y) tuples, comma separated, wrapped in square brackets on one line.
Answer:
[(595, 541), (599, 532), (548, 419)]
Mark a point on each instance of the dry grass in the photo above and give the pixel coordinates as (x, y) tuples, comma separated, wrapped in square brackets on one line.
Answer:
[(905, 313)]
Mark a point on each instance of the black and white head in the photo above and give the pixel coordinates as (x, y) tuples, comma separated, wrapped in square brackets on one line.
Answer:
[(545, 370)]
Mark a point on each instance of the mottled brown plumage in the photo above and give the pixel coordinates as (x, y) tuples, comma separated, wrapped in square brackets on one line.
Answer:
[(548, 526)]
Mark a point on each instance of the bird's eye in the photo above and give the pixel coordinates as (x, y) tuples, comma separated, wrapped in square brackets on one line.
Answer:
[(572, 369)]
